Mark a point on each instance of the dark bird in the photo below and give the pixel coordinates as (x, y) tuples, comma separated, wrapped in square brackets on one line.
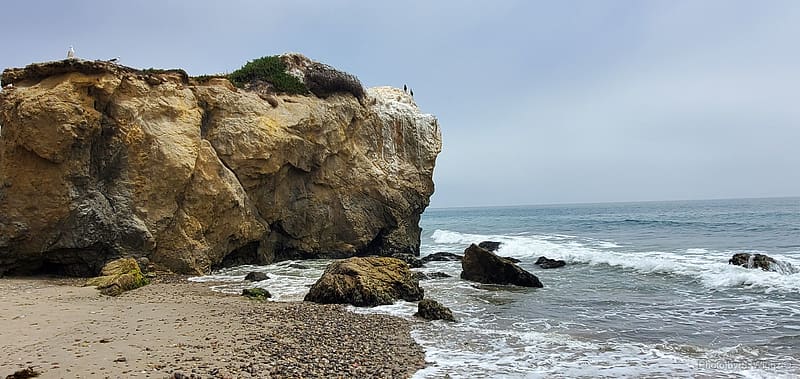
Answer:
[(405, 89), (412, 92), (114, 60)]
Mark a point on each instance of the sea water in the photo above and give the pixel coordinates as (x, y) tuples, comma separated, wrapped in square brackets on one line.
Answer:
[(647, 291)]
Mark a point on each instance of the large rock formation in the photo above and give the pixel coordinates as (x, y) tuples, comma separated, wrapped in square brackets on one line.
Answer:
[(365, 282), (481, 265), (99, 161)]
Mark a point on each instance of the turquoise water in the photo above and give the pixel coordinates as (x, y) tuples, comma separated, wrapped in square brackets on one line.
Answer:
[(647, 291)]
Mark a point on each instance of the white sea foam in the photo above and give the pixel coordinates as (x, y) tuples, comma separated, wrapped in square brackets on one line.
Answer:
[(711, 268), (285, 283)]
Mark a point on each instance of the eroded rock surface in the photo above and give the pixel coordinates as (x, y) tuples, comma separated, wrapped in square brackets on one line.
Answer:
[(365, 282), (99, 161)]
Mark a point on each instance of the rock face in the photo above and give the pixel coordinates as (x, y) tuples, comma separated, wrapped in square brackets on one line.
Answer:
[(483, 266), (365, 282), (99, 161), (433, 310), (545, 262), (748, 260)]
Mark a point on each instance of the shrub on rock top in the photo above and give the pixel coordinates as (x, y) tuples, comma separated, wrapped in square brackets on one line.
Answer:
[(269, 69)]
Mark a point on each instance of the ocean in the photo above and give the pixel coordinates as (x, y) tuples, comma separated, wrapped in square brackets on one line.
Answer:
[(647, 291)]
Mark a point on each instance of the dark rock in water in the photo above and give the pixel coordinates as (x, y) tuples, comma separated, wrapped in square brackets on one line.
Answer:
[(490, 245), (365, 282), (299, 266), (432, 310), (256, 293), (439, 275), (483, 266), (419, 276), (433, 275), (24, 374), (748, 260), (511, 259), (411, 260), (441, 257), (545, 262), (256, 276)]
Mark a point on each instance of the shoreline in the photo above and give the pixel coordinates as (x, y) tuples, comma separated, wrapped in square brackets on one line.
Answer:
[(63, 330)]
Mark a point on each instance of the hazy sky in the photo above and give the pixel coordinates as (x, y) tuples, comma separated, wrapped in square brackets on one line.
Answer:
[(539, 102)]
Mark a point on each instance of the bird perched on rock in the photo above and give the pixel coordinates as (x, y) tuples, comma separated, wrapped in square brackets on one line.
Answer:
[(71, 53), (114, 60), (405, 89), (411, 91)]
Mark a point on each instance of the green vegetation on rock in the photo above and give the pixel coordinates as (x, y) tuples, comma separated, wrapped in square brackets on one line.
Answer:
[(256, 293), (119, 276), (269, 69)]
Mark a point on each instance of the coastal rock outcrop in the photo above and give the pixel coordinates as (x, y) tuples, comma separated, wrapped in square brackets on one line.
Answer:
[(748, 260), (99, 161), (441, 257), (365, 282), (256, 276), (433, 310), (490, 245), (483, 266), (545, 262)]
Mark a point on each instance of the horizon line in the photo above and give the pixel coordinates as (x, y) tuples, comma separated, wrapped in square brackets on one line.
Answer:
[(613, 202)]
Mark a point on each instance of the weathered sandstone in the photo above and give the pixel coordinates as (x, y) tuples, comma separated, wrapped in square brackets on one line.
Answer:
[(99, 161)]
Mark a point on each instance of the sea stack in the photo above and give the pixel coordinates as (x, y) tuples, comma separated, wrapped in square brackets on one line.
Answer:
[(99, 160)]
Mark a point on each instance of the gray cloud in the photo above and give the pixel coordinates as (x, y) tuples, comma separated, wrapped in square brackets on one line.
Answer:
[(539, 102)]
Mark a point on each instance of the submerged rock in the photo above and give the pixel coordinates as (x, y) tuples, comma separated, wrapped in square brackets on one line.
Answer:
[(545, 262), (256, 276), (433, 310), (365, 282), (299, 266), (441, 257), (490, 245), (99, 160), (439, 275), (748, 260), (256, 293), (483, 266), (118, 276), (419, 276), (434, 275), (412, 260)]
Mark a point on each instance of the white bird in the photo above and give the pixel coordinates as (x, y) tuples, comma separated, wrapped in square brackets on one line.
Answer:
[(71, 53)]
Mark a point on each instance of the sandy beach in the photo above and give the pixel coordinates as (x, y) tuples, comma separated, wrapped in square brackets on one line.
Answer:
[(63, 330)]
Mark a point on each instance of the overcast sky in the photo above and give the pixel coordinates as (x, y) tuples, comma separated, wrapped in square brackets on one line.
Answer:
[(539, 102)]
